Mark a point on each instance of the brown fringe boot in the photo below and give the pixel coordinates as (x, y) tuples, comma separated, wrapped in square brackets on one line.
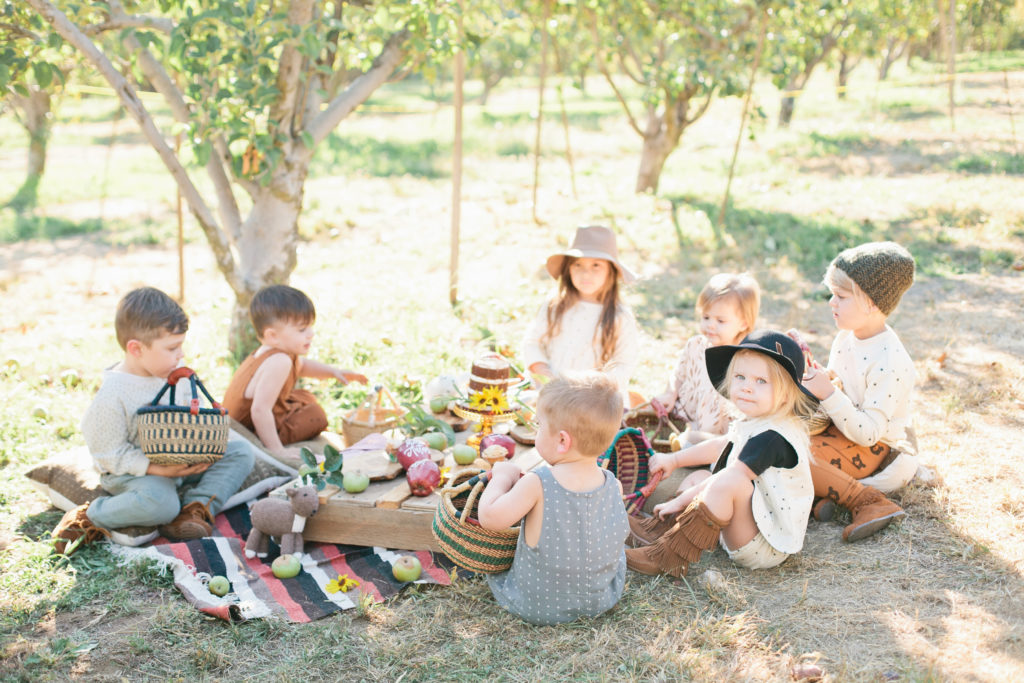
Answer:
[(694, 531), (647, 530)]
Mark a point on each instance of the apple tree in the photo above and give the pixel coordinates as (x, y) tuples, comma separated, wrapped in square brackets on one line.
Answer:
[(33, 68), (255, 87), (679, 56), (804, 36)]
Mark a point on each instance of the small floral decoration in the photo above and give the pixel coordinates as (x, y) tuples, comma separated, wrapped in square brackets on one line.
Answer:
[(490, 399), (341, 584)]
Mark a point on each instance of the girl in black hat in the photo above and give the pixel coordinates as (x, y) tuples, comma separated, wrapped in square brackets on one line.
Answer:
[(757, 497)]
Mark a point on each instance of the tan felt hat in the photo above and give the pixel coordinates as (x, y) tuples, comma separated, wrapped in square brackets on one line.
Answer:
[(592, 241)]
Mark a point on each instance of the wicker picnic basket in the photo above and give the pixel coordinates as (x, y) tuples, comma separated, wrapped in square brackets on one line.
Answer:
[(462, 539), (183, 435), (372, 417), (627, 458), (656, 425)]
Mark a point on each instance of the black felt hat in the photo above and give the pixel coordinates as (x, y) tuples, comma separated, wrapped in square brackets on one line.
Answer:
[(775, 345)]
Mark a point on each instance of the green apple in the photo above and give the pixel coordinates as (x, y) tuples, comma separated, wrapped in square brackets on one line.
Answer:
[(70, 378), (286, 566), (436, 440), (219, 585), (463, 454), (39, 411), (406, 568), (439, 404), (355, 482)]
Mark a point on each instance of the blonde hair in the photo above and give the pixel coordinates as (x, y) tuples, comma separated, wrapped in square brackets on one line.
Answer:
[(568, 296), (787, 399), (587, 405), (742, 288), (837, 278)]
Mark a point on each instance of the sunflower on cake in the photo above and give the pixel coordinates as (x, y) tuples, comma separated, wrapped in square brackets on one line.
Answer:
[(487, 403)]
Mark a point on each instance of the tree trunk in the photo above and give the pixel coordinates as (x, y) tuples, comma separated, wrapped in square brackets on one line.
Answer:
[(786, 110), (846, 65), (267, 248), (890, 54), (657, 148), (35, 117)]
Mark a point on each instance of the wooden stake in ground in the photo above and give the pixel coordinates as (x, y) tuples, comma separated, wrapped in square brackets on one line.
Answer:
[(460, 77), (181, 230), (720, 232), (540, 105), (951, 62)]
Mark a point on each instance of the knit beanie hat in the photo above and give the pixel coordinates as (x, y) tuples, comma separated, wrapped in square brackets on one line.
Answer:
[(884, 270)]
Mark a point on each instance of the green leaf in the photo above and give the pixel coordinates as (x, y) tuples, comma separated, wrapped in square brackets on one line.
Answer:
[(332, 459), (203, 152), (307, 139), (336, 479), (43, 74), (308, 458), (320, 484)]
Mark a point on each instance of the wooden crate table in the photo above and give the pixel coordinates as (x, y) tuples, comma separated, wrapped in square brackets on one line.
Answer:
[(386, 513)]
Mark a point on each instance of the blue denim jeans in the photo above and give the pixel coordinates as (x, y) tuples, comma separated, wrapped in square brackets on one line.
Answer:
[(152, 500)]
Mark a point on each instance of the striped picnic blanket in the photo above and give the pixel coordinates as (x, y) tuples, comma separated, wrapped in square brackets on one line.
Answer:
[(256, 592)]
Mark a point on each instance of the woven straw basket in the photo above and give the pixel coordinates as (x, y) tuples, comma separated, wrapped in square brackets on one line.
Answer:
[(183, 435), (372, 417), (627, 458), (658, 429), (462, 539)]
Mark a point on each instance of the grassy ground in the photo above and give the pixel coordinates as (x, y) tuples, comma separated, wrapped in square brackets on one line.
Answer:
[(938, 597)]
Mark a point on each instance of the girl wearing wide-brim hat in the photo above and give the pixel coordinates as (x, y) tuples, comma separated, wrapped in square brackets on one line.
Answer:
[(758, 495), (585, 325)]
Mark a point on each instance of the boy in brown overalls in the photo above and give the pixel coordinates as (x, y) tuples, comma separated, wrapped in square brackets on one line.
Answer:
[(262, 394)]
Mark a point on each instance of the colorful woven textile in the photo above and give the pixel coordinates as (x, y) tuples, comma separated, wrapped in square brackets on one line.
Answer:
[(256, 592)]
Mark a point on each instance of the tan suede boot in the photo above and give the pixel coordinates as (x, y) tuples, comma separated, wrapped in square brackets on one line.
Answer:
[(194, 521), (871, 512), (694, 531), (74, 530), (870, 509), (647, 530)]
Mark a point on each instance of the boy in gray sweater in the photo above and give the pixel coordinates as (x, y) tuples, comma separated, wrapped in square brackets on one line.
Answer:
[(151, 329)]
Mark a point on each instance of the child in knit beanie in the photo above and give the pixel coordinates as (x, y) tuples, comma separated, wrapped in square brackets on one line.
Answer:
[(868, 448)]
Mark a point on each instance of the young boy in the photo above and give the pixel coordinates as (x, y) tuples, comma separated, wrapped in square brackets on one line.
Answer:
[(867, 446), (151, 329), (262, 394), (569, 561)]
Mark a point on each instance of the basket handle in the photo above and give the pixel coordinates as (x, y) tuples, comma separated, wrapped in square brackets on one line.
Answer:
[(194, 383), (478, 482)]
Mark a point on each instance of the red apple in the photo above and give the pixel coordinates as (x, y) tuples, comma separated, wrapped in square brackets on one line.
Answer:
[(406, 568), (501, 441), (423, 476), (410, 451)]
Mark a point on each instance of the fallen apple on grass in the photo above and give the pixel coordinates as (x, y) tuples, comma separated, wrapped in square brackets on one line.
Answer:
[(286, 567), (406, 568), (219, 586)]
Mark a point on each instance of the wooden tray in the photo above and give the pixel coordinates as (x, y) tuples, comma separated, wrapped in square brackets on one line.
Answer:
[(385, 514)]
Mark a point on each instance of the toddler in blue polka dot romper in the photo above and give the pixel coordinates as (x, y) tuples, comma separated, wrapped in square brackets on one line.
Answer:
[(570, 560)]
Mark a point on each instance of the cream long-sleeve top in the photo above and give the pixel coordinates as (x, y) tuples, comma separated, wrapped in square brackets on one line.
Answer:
[(577, 346), (878, 387), (111, 426)]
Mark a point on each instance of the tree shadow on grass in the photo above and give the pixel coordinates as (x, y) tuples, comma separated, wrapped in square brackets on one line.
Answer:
[(24, 226), (901, 158), (381, 158)]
